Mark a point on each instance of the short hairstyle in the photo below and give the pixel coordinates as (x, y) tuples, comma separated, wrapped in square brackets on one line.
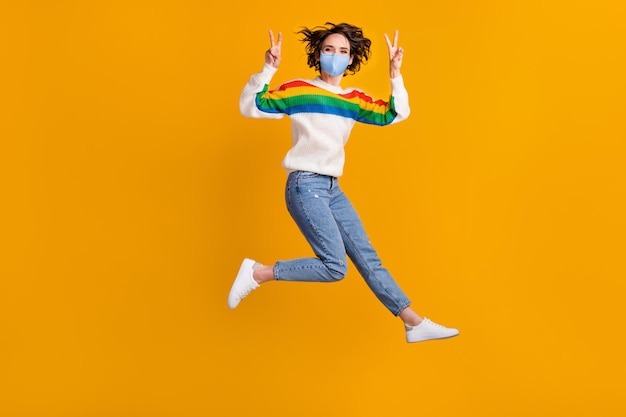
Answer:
[(359, 45)]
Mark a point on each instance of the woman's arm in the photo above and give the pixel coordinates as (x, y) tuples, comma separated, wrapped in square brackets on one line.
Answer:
[(399, 94), (259, 82), (379, 112)]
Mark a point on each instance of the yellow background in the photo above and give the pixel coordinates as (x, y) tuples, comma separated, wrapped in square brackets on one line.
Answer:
[(132, 188)]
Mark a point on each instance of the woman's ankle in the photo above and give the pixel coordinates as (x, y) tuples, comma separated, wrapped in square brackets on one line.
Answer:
[(410, 317), (263, 273)]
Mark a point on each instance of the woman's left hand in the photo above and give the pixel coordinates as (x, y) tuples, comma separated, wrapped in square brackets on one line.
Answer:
[(395, 55)]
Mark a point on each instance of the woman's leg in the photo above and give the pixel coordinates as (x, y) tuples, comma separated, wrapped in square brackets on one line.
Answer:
[(367, 261), (308, 198), (378, 278)]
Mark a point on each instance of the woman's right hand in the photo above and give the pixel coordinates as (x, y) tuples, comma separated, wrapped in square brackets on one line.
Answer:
[(395, 55), (272, 55)]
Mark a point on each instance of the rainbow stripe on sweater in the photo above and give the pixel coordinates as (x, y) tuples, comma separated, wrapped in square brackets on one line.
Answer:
[(302, 97)]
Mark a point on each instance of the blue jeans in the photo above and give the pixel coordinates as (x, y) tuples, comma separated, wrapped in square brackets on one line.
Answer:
[(333, 228)]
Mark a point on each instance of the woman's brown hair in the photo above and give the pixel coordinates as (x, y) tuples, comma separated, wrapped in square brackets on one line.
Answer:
[(359, 45)]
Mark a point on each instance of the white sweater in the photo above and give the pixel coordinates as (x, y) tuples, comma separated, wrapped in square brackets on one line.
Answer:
[(322, 116)]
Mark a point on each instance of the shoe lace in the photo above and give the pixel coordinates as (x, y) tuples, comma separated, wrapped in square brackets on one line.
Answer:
[(432, 323), (248, 289)]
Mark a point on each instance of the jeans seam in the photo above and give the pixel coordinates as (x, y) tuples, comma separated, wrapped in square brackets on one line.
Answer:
[(308, 217), (277, 270)]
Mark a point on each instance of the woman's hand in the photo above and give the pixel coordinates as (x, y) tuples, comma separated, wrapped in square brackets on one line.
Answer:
[(395, 55), (272, 55)]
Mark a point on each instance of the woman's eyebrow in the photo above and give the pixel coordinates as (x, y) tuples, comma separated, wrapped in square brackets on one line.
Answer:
[(340, 48)]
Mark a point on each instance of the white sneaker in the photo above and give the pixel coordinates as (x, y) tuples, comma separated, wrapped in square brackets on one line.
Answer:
[(243, 285), (428, 330)]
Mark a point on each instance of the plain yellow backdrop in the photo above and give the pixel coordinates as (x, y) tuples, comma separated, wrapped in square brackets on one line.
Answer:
[(132, 188)]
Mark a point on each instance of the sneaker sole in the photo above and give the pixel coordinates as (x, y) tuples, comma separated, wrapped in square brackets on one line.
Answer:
[(246, 266), (432, 338)]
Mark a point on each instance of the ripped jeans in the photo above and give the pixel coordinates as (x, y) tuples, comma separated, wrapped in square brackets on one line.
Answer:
[(333, 228)]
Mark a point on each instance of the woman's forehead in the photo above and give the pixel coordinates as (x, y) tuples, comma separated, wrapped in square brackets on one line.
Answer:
[(336, 39)]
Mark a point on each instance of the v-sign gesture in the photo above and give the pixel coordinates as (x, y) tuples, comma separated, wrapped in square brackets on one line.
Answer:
[(272, 55), (395, 55)]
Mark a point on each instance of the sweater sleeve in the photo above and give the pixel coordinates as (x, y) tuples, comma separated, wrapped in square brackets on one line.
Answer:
[(256, 86), (400, 99), (381, 112)]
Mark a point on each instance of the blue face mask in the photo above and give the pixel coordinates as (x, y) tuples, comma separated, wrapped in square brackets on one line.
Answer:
[(334, 64)]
